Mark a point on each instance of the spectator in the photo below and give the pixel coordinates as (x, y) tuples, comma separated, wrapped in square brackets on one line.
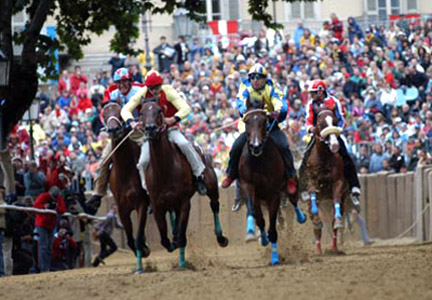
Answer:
[(376, 160), (165, 54), (397, 160), (182, 50), (354, 30), (116, 63), (63, 249), (45, 223), (336, 27), (64, 83), (76, 79), (34, 181), (103, 231)]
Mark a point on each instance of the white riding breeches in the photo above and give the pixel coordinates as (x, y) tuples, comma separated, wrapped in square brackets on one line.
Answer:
[(176, 137)]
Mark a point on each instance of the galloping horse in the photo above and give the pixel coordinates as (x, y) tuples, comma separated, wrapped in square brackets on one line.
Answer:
[(325, 175), (262, 177), (170, 182), (125, 182)]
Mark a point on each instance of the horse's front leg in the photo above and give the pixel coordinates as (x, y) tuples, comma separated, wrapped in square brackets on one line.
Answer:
[(159, 215), (314, 215), (249, 192), (213, 194), (182, 228), (140, 242), (273, 235), (261, 223), (124, 215), (337, 210)]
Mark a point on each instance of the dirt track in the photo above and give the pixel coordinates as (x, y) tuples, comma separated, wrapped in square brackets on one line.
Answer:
[(243, 272)]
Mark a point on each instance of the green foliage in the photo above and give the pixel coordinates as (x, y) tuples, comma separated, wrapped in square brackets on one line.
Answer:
[(78, 19)]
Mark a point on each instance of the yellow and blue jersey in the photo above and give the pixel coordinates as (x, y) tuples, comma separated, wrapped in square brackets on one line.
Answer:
[(271, 94)]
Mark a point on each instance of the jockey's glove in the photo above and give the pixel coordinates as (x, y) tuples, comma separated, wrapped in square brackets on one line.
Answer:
[(275, 115)]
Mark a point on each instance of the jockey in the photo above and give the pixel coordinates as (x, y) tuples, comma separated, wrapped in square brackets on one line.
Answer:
[(176, 109), (120, 92), (320, 98), (258, 87)]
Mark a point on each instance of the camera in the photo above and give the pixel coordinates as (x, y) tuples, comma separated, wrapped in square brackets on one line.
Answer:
[(52, 205)]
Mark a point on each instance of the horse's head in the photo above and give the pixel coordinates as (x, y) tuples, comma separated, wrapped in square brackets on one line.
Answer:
[(327, 129), (256, 125), (112, 118), (152, 118)]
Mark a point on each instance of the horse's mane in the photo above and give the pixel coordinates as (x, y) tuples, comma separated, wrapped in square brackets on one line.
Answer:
[(249, 112)]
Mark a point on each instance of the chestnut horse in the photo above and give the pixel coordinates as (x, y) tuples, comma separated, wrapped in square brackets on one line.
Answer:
[(170, 182), (325, 175), (262, 178), (125, 182)]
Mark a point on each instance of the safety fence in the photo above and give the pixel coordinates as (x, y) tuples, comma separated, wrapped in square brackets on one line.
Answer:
[(397, 205)]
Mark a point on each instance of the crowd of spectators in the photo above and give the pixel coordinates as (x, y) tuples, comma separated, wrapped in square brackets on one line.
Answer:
[(381, 74)]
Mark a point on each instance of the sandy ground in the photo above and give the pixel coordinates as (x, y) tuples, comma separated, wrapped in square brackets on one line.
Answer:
[(381, 271)]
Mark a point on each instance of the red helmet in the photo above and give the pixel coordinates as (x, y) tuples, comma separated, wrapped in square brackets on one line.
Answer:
[(153, 78), (318, 86)]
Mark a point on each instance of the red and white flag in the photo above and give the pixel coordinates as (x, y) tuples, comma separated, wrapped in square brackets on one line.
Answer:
[(223, 27)]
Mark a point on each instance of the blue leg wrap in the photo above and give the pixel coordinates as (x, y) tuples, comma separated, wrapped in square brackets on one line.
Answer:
[(301, 218), (182, 262), (264, 238), (338, 214), (218, 227), (250, 228), (274, 255), (314, 204), (139, 261)]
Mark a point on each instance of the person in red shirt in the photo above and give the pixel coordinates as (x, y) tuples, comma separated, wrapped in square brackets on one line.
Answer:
[(84, 102), (76, 79), (336, 26), (63, 249), (46, 222)]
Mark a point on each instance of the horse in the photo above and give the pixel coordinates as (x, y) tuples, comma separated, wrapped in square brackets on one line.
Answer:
[(262, 178), (170, 182), (325, 175), (125, 182)]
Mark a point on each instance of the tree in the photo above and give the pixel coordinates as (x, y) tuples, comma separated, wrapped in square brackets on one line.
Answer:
[(76, 19)]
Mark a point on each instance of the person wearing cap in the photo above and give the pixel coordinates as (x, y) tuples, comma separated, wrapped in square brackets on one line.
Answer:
[(120, 92), (259, 88), (319, 99), (46, 223), (175, 109)]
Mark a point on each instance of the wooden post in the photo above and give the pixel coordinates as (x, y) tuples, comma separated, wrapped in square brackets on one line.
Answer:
[(392, 204), (383, 209), (418, 182)]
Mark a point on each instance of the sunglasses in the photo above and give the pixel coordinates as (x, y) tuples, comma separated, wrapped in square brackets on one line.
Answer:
[(256, 76)]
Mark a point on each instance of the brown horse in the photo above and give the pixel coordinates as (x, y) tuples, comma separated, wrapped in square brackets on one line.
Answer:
[(262, 178), (170, 182), (125, 182), (325, 174)]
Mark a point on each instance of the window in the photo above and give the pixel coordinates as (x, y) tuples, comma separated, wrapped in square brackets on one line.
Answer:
[(412, 5), (296, 10), (234, 10), (309, 10), (302, 10), (216, 10), (371, 4)]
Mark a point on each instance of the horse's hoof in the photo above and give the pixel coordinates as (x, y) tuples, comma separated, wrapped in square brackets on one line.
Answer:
[(222, 241), (338, 224), (182, 265), (264, 242), (275, 262), (146, 252), (139, 271), (250, 237), (301, 217)]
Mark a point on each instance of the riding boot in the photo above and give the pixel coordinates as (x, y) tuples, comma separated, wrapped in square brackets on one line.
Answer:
[(200, 184), (349, 169), (239, 199), (93, 204), (234, 159)]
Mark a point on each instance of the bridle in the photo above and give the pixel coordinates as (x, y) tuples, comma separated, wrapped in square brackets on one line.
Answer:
[(112, 118), (252, 111)]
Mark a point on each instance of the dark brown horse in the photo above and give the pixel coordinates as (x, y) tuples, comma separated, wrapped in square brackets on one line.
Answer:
[(125, 182), (262, 178), (325, 175), (170, 182)]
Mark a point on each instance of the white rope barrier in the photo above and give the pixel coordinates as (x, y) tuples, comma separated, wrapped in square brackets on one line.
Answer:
[(50, 211), (415, 222)]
